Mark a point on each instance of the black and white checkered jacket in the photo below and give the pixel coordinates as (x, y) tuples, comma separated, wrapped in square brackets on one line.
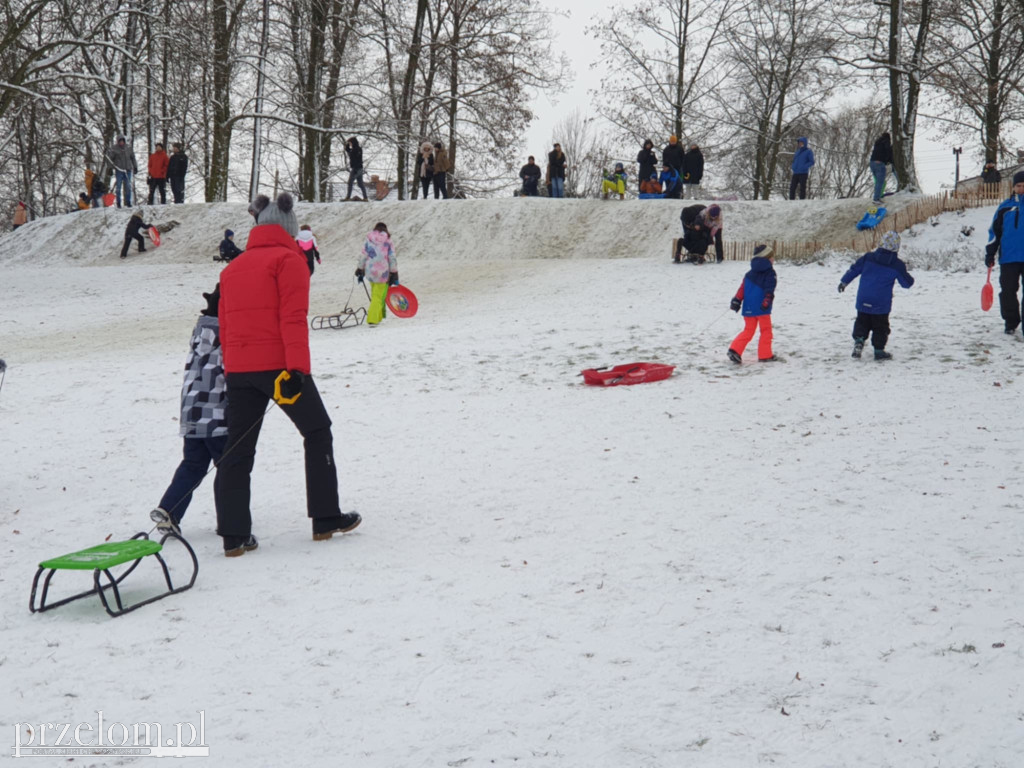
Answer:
[(204, 392)]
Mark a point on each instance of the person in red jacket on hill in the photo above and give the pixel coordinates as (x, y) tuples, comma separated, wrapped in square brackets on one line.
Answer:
[(158, 174), (264, 300)]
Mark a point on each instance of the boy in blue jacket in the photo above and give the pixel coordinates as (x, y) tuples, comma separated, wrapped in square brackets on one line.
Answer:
[(1006, 236), (878, 270), (755, 296)]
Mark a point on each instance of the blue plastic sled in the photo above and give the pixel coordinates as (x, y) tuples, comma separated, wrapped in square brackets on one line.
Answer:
[(651, 196), (871, 220)]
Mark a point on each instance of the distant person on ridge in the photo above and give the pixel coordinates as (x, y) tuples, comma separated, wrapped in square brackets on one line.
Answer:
[(177, 167), (991, 174), (122, 160), (556, 171), (881, 159), (803, 160), (441, 167), (647, 162), (158, 163), (355, 167), (530, 174), (693, 172), (672, 156)]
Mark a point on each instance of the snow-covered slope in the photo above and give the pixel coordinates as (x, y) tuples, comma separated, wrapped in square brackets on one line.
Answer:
[(810, 563)]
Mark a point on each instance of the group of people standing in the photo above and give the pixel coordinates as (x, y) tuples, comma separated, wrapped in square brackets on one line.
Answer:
[(681, 170), (554, 177), (432, 167), (120, 159)]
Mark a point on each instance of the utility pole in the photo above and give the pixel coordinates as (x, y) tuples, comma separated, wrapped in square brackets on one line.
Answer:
[(956, 182)]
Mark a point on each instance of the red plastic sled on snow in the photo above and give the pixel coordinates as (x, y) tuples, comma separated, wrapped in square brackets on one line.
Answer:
[(630, 373), (402, 301), (154, 236)]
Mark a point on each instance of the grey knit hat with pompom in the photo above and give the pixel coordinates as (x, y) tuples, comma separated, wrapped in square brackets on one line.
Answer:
[(282, 213)]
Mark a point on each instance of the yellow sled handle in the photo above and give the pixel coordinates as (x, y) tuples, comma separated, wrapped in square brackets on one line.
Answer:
[(278, 397)]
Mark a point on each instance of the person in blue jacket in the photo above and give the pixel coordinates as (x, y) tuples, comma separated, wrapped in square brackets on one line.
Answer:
[(803, 159), (878, 270), (1006, 236), (671, 184), (756, 296)]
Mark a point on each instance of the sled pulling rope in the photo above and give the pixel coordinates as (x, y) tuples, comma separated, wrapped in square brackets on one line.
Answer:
[(100, 560), (343, 319)]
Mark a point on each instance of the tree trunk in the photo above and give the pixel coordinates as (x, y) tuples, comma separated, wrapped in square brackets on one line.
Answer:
[(217, 180), (990, 129), (406, 100), (311, 133), (257, 123)]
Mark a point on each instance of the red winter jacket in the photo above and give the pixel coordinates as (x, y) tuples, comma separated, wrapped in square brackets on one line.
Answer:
[(158, 165), (264, 299)]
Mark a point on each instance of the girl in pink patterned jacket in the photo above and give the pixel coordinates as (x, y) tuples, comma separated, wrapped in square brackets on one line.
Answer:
[(377, 264)]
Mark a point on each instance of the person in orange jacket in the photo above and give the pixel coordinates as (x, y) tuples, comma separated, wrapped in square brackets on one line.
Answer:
[(20, 216), (158, 174)]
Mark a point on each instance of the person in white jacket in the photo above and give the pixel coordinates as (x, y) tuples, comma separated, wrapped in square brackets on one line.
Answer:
[(377, 263), (307, 242)]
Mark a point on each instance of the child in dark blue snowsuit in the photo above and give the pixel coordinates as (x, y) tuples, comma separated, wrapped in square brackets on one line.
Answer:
[(878, 270), (1006, 237), (228, 249), (755, 295)]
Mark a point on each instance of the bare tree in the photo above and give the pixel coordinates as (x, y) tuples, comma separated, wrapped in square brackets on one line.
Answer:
[(984, 85), (659, 60), (783, 75)]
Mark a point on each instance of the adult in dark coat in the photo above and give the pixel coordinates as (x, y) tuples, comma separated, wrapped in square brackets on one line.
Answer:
[(693, 172), (672, 156), (991, 174), (647, 160), (530, 174), (355, 167), (177, 167), (556, 171)]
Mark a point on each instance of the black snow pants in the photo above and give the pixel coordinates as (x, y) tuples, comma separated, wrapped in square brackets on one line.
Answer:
[(249, 394), (1009, 278), (876, 325)]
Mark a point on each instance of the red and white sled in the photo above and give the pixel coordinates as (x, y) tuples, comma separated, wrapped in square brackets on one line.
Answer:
[(630, 373)]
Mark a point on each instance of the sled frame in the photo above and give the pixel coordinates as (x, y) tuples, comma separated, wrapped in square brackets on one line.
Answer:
[(104, 580), (344, 319)]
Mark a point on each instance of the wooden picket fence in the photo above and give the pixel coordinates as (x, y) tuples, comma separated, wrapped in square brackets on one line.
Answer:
[(865, 240)]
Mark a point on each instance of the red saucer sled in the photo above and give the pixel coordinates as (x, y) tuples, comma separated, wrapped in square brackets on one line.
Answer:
[(154, 236), (630, 373), (402, 301)]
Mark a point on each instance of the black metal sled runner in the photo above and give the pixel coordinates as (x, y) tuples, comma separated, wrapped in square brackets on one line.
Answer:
[(100, 560), (343, 319)]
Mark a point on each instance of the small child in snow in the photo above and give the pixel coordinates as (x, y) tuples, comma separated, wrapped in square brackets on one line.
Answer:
[(614, 182), (228, 249), (132, 232), (203, 422), (307, 242), (377, 264), (878, 270), (651, 186), (755, 296)]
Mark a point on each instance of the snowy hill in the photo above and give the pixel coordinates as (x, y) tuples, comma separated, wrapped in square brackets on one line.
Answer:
[(808, 563)]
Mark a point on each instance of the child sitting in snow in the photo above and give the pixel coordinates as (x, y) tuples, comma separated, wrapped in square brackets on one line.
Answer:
[(650, 186), (614, 182), (878, 270), (377, 263), (203, 423), (228, 249), (755, 296), (307, 242)]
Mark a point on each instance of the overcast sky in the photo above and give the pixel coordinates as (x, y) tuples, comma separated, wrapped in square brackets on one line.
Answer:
[(935, 160)]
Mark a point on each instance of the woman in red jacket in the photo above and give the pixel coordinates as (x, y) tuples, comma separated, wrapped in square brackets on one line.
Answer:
[(264, 300)]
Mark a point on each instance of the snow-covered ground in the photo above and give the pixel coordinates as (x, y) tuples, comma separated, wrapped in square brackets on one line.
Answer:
[(810, 563)]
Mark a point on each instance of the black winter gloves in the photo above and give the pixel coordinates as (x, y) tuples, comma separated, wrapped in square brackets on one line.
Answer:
[(735, 304), (292, 386), (392, 278), (990, 259), (842, 287), (360, 274)]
